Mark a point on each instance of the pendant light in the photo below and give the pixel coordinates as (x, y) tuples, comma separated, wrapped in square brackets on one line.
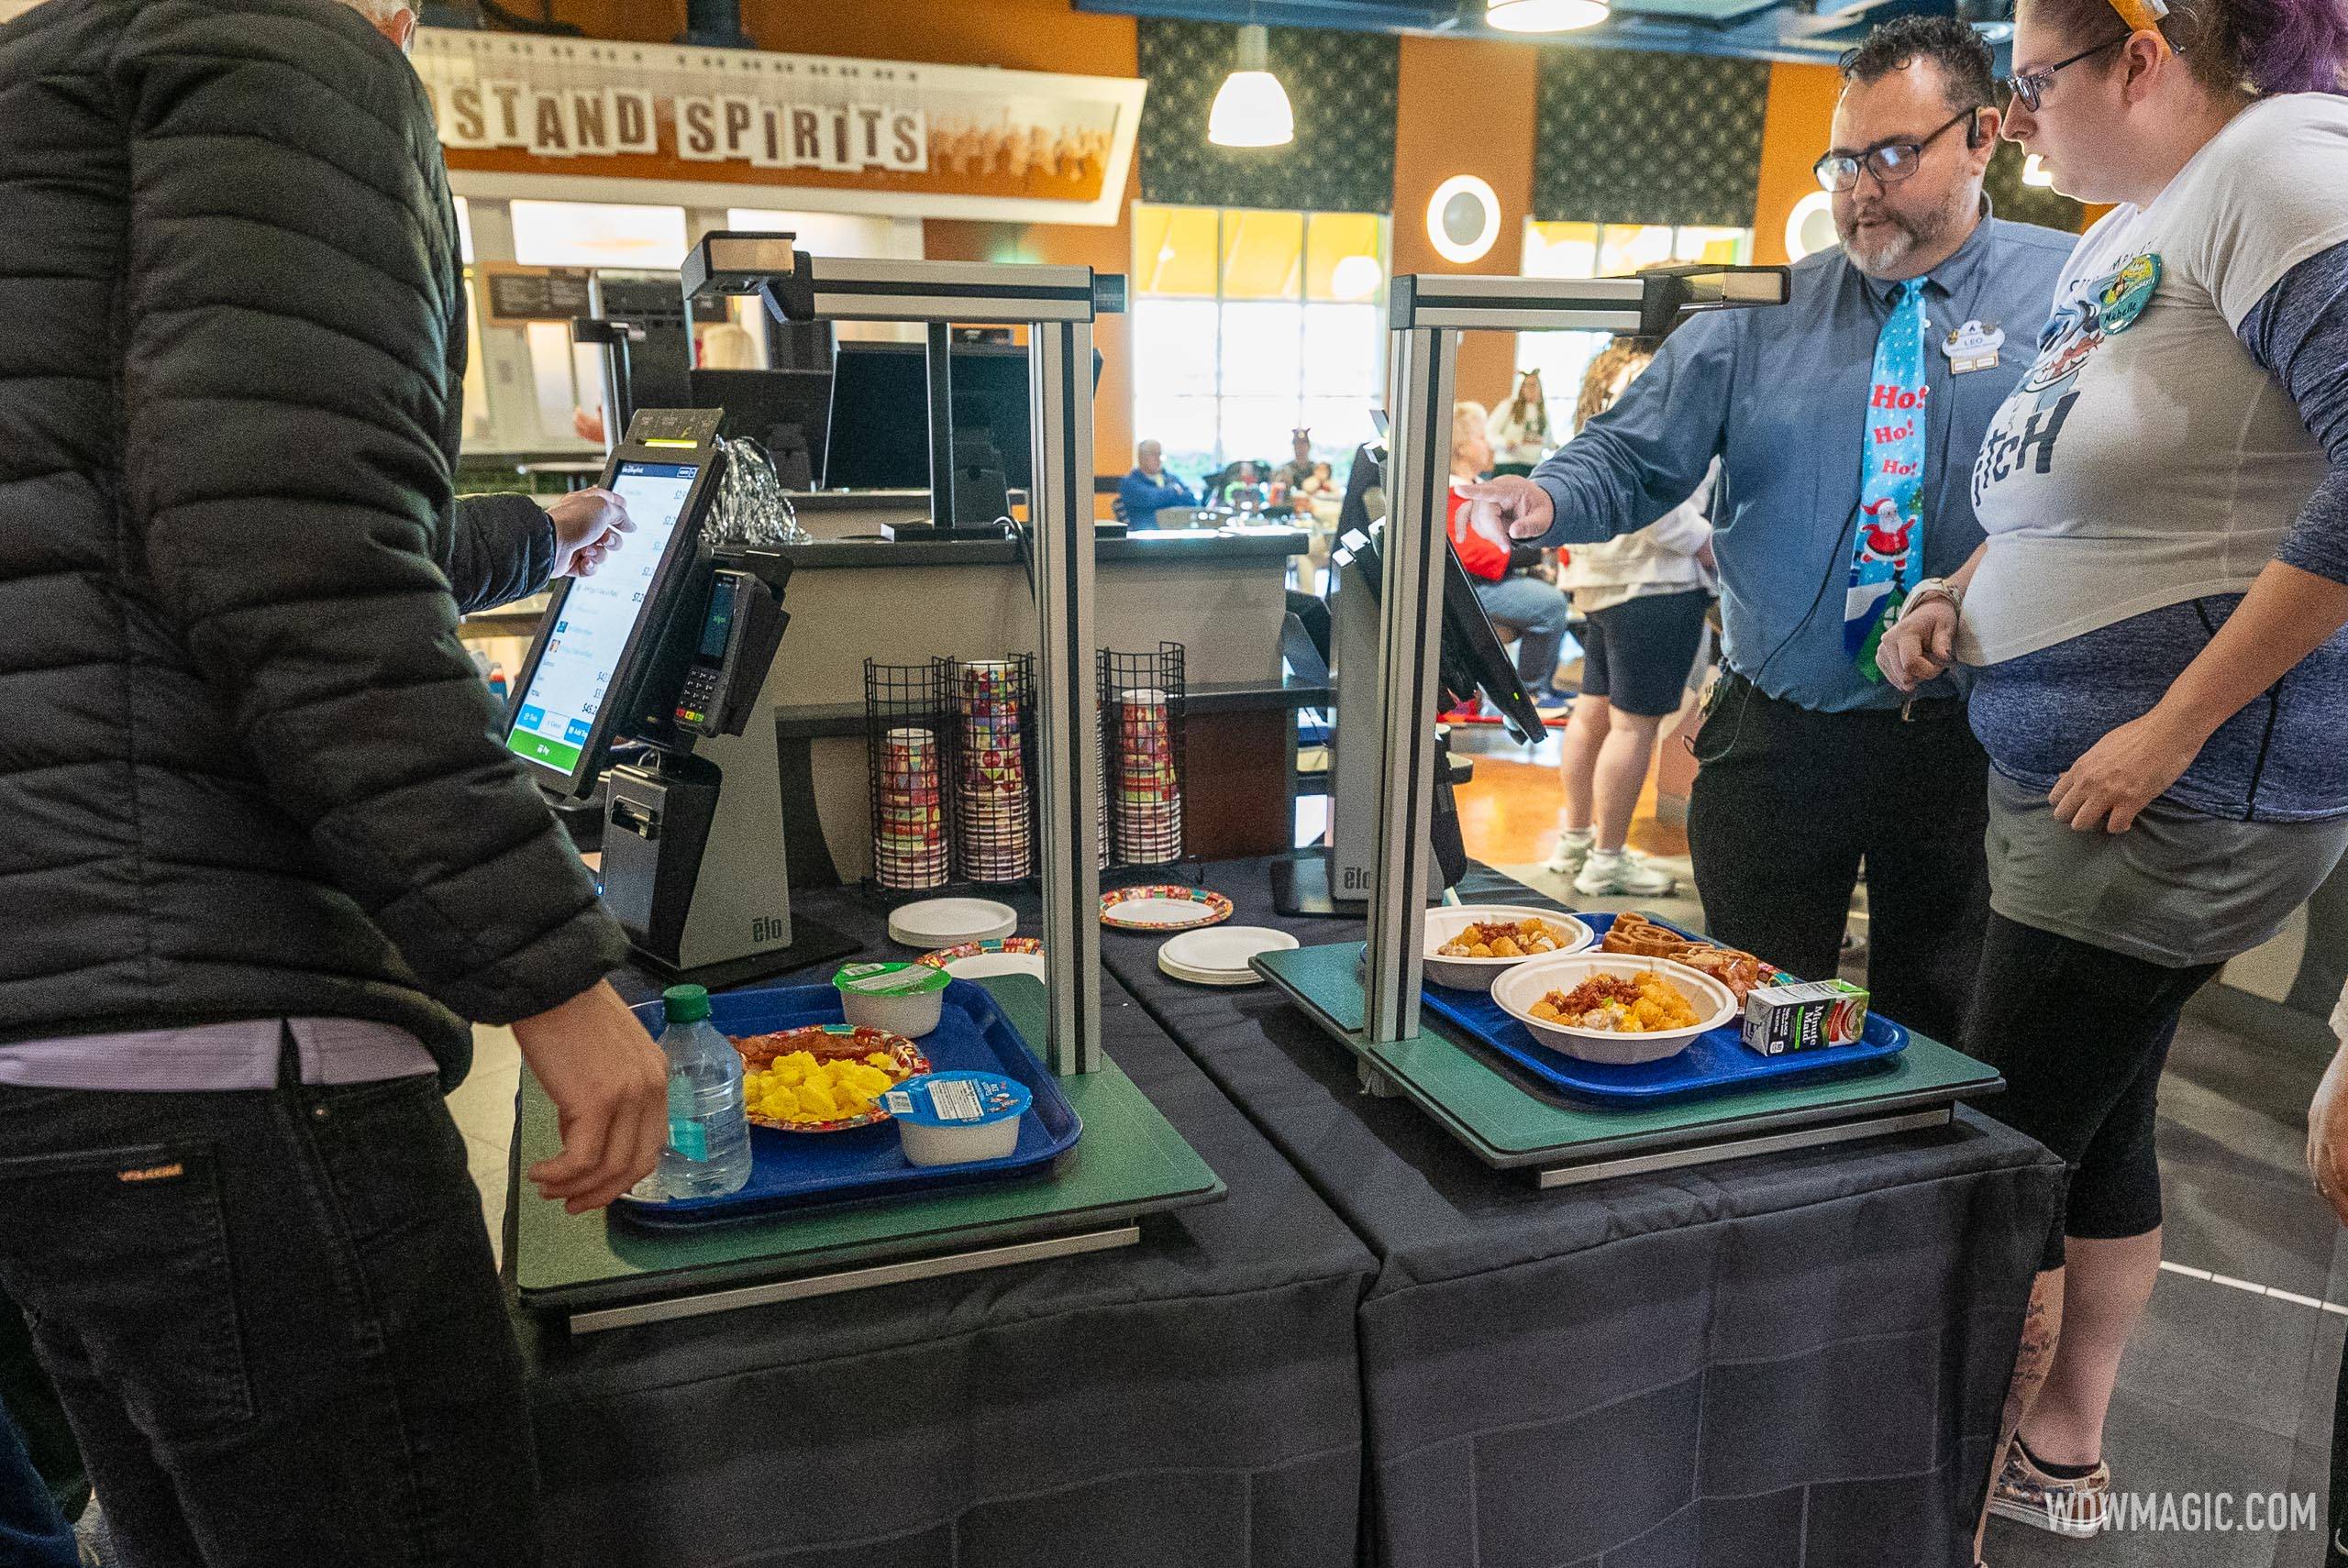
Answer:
[(1251, 108), (1543, 16)]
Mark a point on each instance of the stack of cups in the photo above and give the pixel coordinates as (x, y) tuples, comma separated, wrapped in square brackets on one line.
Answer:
[(1149, 796), (1101, 789), (909, 840), (994, 807)]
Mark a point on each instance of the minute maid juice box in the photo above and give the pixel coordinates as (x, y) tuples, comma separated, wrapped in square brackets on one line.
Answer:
[(1804, 1017)]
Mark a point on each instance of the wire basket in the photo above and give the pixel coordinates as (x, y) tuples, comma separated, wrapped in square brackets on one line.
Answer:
[(909, 769), (1142, 710), (991, 704)]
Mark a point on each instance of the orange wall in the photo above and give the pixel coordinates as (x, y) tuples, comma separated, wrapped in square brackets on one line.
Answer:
[(1802, 108), (1437, 135)]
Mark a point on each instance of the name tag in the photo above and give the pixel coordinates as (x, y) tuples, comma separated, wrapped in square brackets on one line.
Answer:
[(1973, 347)]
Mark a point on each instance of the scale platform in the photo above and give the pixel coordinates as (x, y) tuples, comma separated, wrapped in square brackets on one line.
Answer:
[(1510, 1124), (588, 1272)]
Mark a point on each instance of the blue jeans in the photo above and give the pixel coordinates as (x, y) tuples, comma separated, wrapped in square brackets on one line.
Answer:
[(1538, 611), (274, 1320), (31, 1529)]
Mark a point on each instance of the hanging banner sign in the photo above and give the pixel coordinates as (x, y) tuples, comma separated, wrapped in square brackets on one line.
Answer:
[(878, 135)]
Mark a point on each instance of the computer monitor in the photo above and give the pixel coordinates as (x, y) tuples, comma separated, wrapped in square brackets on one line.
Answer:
[(658, 366), (784, 411), (583, 670), (879, 436)]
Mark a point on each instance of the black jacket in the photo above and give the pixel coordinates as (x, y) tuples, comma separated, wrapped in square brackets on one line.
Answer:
[(246, 768)]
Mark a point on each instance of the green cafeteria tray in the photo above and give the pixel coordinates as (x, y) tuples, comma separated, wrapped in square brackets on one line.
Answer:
[(1130, 1163), (1506, 1123)]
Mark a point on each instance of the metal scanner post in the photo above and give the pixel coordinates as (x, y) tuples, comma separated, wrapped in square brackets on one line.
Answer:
[(1425, 316), (1057, 305)]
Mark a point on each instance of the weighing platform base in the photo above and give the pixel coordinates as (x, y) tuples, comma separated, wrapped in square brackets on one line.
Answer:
[(1509, 1123), (855, 1279), (594, 1271)]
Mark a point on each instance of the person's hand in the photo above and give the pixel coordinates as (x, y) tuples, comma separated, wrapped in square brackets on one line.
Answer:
[(588, 525), (1919, 644), (2328, 1136), (1512, 504), (610, 1087), (587, 425), (2124, 772)]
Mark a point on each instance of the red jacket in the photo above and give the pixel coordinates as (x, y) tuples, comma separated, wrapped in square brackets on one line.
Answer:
[(1481, 555)]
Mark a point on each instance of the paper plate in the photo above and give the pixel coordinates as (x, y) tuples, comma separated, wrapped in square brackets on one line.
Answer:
[(1009, 955), (1207, 976), (943, 923), (1221, 951), (1166, 908)]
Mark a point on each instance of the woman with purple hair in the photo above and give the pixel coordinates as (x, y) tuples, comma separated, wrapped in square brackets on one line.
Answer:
[(2156, 619)]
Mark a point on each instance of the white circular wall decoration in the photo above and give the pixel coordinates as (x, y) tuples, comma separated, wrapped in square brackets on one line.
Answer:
[(1810, 227), (1462, 218)]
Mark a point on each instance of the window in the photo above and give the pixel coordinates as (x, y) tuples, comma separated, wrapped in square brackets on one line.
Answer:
[(1602, 250), (598, 234), (1248, 323)]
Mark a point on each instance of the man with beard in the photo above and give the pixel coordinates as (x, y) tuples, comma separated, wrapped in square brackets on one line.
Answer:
[(1846, 423)]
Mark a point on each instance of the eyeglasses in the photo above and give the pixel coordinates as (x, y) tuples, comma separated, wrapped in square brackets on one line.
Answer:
[(1889, 161), (2030, 88)]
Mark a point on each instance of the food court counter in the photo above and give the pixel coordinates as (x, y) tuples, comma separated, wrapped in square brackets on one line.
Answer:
[(1222, 596)]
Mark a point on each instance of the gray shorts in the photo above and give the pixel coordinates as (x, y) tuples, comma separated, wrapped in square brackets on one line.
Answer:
[(2177, 887)]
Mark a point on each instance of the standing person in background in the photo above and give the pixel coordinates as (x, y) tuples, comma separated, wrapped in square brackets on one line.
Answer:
[(1845, 422), (1643, 595), (1520, 428), (283, 863), (2155, 618), (1149, 489), (1503, 571)]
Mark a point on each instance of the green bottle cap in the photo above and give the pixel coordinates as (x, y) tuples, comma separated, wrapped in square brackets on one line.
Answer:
[(685, 1004)]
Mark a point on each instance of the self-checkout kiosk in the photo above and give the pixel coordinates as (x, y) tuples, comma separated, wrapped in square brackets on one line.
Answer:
[(651, 676)]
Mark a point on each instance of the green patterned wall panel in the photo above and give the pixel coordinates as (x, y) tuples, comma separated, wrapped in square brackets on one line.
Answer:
[(1625, 136)]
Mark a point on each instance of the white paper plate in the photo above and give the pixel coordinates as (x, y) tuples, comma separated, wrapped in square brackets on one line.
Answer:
[(1216, 977), (1221, 953), (948, 922)]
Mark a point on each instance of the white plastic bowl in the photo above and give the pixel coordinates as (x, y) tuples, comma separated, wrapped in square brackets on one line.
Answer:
[(1518, 989), (1477, 974)]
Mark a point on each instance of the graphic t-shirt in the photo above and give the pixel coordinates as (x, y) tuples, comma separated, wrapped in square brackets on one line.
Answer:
[(2146, 459)]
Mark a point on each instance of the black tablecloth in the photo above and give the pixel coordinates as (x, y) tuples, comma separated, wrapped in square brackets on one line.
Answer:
[(1191, 1401), (1781, 1361)]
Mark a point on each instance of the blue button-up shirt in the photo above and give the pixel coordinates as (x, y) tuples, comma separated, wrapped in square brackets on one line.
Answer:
[(1779, 394)]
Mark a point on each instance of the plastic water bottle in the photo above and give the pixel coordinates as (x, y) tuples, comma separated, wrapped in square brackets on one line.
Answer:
[(708, 1153)]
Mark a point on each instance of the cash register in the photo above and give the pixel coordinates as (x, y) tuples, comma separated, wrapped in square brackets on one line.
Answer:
[(650, 676)]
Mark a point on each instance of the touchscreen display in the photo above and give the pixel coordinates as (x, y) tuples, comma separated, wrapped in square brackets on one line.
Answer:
[(574, 675)]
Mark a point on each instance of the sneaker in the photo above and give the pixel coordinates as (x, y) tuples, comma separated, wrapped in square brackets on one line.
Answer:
[(1624, 873), (1572, 850), (1550, 699), (2027, 1495)]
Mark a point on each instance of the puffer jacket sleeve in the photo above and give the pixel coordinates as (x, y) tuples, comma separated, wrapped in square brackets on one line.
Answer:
[(288, 300), (501, 549)]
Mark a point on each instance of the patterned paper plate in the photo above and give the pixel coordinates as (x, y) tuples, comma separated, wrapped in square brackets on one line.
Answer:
[(1007, 955), (826, 1041), (1167, 908)]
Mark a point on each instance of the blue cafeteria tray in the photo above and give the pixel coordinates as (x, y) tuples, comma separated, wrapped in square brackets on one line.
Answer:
[(1715, 1060), (794, 1170)]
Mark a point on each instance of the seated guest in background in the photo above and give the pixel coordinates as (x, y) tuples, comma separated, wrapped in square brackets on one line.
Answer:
[(1643, 595), (1503, 572), (1298, 469), (1520, 428), (2156, 619), (1149, 488), (1811, 763)]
